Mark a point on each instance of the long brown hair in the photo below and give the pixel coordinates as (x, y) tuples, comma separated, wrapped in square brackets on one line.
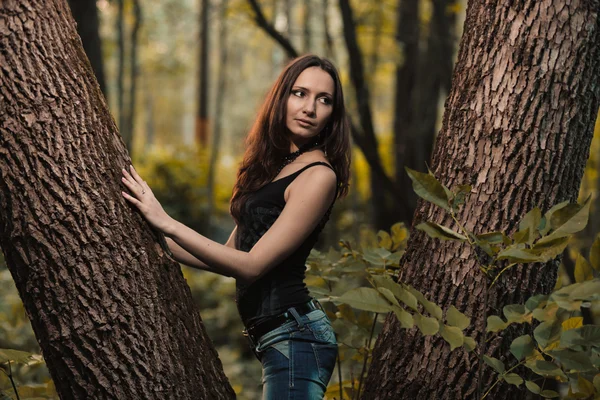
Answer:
[(268, 141)]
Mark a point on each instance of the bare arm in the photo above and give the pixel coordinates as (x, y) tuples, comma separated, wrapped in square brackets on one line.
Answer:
[(308, 201), (183, 257)]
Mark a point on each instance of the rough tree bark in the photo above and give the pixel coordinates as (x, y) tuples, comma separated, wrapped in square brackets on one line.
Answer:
[(518, 126), (112, 313)]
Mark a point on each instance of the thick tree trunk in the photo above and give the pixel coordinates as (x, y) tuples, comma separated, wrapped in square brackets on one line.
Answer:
[(113, 315), (85, 13), (518, 126)]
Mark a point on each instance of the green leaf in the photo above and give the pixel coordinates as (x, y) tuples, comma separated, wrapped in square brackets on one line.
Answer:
[(427, 325), (573, 360), (571, 218), (492, 237), (400, 292), (495, 324), (389, 296), (373, 258), (513, 379), (456, 318), (528, 227), (545, 368), (583, 270), (533, 387), (428, 188), (585, 291), (452, 335), (406, 319), (545, 224), (469, 343), (585, 387), (16, 356), (521, 237), (547, 251), (547, 332), (365, 299), (535, 301), (587, 335), (496, 364), (440, 232), (595, 253), (522, 347), (549, 394), (460, 195), (430, 307), (517, 255), (597, 382), (514, 312)]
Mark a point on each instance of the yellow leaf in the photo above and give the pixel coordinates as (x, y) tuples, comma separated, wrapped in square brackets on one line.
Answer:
[(583, 270), (572, 323), (552, 346)]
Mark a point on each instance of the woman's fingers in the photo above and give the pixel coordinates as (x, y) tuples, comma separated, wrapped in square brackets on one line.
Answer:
[(132, 199), (137, 178), (134, 187)]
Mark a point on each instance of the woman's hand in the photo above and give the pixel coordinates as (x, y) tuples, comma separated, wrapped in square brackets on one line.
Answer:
[(144, 200)]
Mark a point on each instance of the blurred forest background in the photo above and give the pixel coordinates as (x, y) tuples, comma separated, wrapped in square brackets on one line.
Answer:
[(183, 80)]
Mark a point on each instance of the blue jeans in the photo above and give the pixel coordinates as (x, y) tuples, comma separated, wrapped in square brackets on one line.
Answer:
[(298, 357)]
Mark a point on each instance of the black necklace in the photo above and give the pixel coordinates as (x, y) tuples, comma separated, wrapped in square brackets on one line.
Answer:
[(292, 156)]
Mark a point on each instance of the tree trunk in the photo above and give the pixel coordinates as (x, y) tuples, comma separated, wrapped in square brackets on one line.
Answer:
[(220, 103), (121, 73), (420, 82), (203, 72), (381, 184), (306, 34), (133, 75), (85, 13), (406, 141), (112, 313), (518, 126), (327, 39)]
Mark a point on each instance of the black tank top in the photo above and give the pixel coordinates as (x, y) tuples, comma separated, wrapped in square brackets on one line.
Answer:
[(283, 286)]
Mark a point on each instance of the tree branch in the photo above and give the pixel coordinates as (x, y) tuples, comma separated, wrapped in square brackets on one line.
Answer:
[(271, 31)]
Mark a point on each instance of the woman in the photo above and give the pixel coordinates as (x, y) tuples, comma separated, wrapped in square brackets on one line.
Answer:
[(295, 166)]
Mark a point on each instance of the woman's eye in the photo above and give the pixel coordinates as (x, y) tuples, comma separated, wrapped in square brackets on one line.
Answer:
[(298, 93), (325, 100)]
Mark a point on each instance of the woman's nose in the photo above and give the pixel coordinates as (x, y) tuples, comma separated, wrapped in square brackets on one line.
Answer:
[(309, 108)]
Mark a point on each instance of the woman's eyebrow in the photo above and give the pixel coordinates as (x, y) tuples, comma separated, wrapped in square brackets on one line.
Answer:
[(308, 90)]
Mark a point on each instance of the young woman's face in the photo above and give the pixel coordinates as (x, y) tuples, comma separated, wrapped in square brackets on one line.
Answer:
[(310, 104)]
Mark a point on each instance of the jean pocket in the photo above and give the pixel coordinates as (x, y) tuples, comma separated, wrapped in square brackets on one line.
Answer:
[(326, 355), (322, 331)]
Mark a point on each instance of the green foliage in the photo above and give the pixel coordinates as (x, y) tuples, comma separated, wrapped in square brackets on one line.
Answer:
[(560, 348)]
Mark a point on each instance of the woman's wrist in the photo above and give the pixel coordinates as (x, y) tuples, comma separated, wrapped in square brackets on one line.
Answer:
[(169, 228)]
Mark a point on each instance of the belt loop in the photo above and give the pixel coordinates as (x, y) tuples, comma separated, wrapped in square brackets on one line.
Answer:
[(296, 316)]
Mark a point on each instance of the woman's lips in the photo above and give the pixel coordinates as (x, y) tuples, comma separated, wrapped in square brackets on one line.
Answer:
[(304, 123)]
